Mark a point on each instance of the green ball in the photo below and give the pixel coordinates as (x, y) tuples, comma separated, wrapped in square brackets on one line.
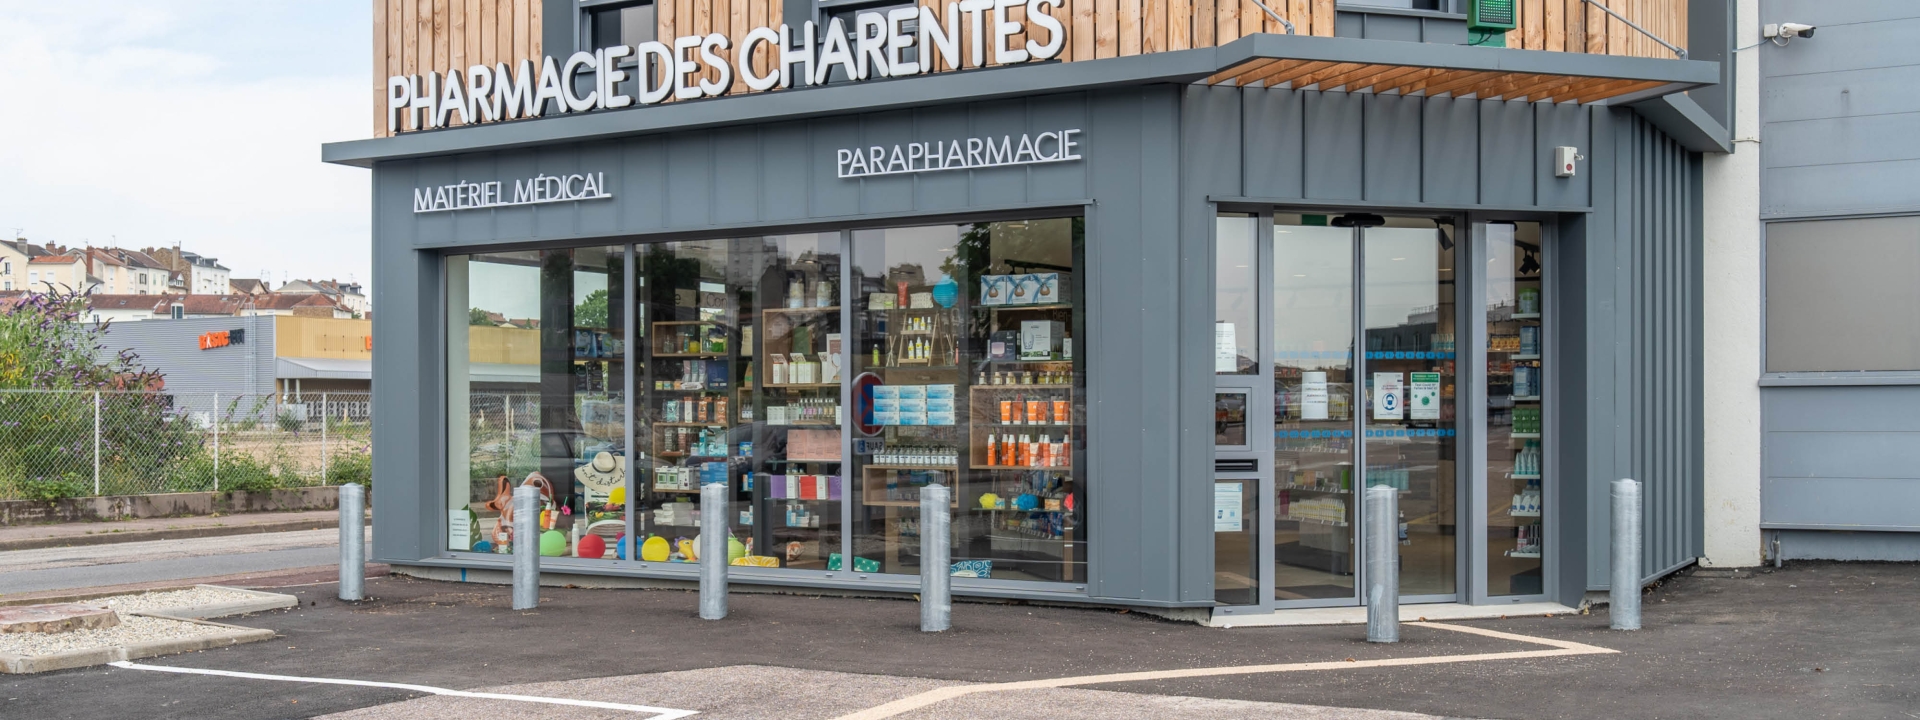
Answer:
[(552, 544)]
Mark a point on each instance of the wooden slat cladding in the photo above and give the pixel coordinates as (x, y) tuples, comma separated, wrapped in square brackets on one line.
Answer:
[(418, 36)]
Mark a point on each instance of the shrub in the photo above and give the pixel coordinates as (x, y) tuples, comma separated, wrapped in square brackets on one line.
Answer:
[(69, 485)]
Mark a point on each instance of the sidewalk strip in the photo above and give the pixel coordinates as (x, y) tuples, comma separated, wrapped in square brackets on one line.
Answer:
[(1561, 648), (660, 713)]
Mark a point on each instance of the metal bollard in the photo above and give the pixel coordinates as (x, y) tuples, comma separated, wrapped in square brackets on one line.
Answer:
[(714, 530), (1625, 593), (526, 547), (353, 542), (1383, 564), (936, 560)]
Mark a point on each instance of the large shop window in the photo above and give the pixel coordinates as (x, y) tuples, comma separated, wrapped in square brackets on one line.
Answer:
[(954, 344), (1516, 390), (535, 372), (1841, 295), (966, 376)]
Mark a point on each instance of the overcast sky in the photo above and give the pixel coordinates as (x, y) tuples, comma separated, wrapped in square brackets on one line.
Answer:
[(197, 122)]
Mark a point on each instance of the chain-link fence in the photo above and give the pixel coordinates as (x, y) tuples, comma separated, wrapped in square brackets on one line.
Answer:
[(58, 444)]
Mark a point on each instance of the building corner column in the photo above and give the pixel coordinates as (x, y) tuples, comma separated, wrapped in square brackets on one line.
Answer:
[(1732, 300)]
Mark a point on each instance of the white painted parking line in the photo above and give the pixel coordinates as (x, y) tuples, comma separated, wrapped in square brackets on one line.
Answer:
[(1560, 648), (658, 712)]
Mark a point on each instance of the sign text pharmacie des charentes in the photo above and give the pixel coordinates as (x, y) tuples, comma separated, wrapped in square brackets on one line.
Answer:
[(875, 47)]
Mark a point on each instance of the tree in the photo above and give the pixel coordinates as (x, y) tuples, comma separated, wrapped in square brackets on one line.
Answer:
[(476, 316), (591, 312)]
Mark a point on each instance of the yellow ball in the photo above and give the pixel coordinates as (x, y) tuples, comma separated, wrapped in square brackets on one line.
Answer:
[(618, 496)]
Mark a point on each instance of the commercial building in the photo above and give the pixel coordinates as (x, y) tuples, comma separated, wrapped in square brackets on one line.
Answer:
[(1813, 236), (263, 355), (1157, 288)]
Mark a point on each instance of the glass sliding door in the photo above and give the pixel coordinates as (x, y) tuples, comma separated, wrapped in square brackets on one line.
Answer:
[(1314, 518), (1410, 380), (1516, 360)]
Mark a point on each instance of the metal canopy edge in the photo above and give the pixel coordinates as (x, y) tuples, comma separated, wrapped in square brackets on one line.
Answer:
[(1180, 66)]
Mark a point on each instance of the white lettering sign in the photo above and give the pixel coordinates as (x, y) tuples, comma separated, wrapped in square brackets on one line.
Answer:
[(1051, 146), (874, 47), (536, 190)]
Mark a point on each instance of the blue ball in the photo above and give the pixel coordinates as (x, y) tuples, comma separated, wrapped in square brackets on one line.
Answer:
[(483, 547)]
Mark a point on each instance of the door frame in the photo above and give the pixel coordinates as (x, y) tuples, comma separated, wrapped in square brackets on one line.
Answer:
[(1470, 502)]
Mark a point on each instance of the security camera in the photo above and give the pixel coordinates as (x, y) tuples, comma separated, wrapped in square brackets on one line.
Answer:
[(1785, 31)]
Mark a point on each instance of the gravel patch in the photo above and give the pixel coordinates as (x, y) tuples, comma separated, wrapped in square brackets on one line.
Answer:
[(132, 629), (169, 599)]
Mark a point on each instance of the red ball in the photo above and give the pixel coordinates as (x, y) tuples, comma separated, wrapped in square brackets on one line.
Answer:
[(591, 546)]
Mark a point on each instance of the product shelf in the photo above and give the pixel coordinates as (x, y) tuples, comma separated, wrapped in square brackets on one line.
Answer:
[(1062, 468)]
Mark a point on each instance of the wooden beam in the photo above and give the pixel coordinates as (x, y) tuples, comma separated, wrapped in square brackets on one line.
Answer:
[(1533, 85), (1389, 77), (1453, 81), (1179, 24), (1499, 86), (1292, 74), (1411, 83), (1153, 26), (1326, 73), (1106, 33), (1366, 77), (1245, 72), (1614, 90)]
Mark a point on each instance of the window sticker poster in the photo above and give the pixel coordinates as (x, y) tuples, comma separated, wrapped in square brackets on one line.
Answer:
[(1389, 396), (1423, 396), (1226, 507), (1313, 396), (459, 530), (1226, 348)]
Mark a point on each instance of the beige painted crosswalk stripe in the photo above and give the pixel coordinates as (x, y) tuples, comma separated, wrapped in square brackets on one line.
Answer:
[(1560, 648)]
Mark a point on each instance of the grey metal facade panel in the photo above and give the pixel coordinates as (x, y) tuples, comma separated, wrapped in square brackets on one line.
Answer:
[(1141, 542), (1392, 139), (701, 180), (409, 382), (1836, 111), (1558, 125), (1840, 458), (1272, 131), (1644, 415), (1506, 153), (173, 348), (1335, 158), (1450, 151)]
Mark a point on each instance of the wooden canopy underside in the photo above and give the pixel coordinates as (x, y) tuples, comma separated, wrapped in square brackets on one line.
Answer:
[(1406, 80)]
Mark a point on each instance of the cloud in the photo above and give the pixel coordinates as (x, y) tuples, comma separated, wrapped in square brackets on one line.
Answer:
[(155, 123)]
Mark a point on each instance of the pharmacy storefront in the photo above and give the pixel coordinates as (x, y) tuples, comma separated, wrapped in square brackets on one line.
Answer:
[(1157, 319)]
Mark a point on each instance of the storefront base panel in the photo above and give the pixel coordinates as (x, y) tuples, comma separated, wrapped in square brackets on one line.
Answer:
[(1846, 545), (1436, 612), (902, 588)]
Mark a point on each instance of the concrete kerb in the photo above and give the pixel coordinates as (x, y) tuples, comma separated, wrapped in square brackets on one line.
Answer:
[(220, 635), (223, 636)]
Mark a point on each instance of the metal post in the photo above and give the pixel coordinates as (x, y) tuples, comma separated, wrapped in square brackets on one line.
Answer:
[(96, 442), (936, 564), (1383, 564), (353, 538), (1625, 600), (216, 442), (323, 437), (526, 547), (714, 530)]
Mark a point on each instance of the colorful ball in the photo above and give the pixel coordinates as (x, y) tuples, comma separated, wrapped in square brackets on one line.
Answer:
[(620, 546), (552, 544), (617, 498), (591, 546), (483, 547)]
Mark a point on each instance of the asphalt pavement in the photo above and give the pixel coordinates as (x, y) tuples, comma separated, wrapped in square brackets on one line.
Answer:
[(1812, 640)]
